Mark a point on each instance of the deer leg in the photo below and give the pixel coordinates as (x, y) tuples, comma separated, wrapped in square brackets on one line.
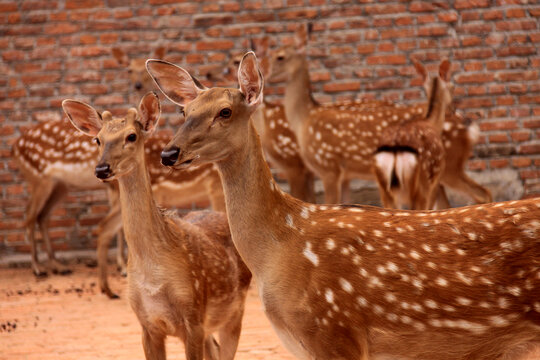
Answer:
[(332, 188), (39, 195), (57, 195), (441, 200), (346, 192), (211, 349), (153, 345), (229, 336), (110, 225), (217, 198), (120, 258), (194, 341), (301, 183), (462, 182)]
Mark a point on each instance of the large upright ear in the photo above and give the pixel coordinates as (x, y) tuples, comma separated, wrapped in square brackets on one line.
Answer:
[(301, 37), (84, 117), (444, 69), (150, 110), (250, 79), (420, 69), (176, 83), (160, 52), (120, 56)]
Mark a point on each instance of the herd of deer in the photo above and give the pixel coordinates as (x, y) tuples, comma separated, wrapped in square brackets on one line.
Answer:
[(336, 281)]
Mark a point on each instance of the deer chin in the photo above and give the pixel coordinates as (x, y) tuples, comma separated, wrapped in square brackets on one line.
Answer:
[(186, 162)]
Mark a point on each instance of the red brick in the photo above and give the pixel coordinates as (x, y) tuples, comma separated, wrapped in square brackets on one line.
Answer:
[(529, 174), (346, 86), (529, 149), (474, 78), (386, 60), (421, 6), (470, 4), (83, 4), (498, 138), (476, 165), (498, 163), (8, 7), (214, 45)]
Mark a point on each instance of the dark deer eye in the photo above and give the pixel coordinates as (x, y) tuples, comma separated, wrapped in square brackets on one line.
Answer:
[(96, 140), (281, 58), (236, 62), (225, 113), (131, 137)]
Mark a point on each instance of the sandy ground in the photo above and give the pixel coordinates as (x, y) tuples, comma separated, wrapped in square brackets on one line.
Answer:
[(66, 317)]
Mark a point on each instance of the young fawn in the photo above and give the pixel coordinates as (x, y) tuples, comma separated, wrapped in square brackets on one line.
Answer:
[(409, 160), (185, 277), (337, 141), (356, 282)]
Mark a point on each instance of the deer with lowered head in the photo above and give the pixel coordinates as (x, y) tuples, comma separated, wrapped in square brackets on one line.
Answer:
[(185, 278), (409, 160), (337, 140), (361, 282)]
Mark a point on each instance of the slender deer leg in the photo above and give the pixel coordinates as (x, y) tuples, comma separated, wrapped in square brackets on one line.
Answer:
[(346, 192), (153, 345), (110, 225), (463, 183), (120, 257), (332, 188), (301, 184), (40, 195), (441, 200), (57, 194), (229, 336), (194, 341), (215, 194), (211, 349)]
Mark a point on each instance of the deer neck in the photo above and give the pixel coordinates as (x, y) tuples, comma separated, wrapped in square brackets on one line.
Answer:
[(254, 204), (142, 220), (436, 109), (298, 99)]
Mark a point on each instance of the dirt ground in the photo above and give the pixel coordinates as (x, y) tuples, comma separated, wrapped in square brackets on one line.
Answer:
[(66, 317)]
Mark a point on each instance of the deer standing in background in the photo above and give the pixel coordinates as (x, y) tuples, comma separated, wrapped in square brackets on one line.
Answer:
[(185, 277), (337, 141), (359, 282), (278, 141), (409, 160)]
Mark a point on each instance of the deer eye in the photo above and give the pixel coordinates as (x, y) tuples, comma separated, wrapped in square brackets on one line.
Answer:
[(96, 140), (130, 71), (281, 58), (236, 62), (131, 137), (225, 113), (183, 112)]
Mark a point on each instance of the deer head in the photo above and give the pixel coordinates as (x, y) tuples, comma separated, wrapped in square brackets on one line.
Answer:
[(288, 59), (138, 75), (120, 140), (212, 115)]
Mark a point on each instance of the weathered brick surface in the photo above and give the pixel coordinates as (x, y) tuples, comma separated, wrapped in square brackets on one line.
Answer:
[(52, 50)]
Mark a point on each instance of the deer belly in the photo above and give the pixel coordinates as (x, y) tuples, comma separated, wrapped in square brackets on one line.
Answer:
[(79, 175)]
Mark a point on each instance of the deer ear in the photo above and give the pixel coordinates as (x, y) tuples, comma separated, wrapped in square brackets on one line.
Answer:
[(150, 110), (444, 69), (250, 79), (176, 83), (120, 56), (160, 52), (84, 117), (301, 38), (420, 69)]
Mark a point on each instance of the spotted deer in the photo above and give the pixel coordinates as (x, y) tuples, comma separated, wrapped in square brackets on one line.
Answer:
[(278, 141), (361, 282), (337, 140), (54, 157), (185, 278), (409, 159)]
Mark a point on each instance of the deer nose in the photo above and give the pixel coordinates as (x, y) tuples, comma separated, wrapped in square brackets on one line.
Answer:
[(138, 86), (103, 171), (170, 155)]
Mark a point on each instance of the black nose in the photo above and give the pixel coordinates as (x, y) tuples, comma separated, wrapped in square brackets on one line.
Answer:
[(103, 171), (138, 86), (170, 155)]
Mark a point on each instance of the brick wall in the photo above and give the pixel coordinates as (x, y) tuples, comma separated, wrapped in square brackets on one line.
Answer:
[(56, 49)]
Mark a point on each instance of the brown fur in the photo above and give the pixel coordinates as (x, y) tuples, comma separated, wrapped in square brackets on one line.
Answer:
[(360, 282), (337, 141), (185, 278)]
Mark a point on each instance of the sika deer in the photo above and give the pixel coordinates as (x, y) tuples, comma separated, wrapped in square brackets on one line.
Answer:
[(409, 160), (358, 282), (337, 141), (54, 157), (185, 276), (138, 76)]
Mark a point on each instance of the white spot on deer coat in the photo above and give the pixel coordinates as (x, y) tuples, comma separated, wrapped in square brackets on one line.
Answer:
[(310, 255)]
